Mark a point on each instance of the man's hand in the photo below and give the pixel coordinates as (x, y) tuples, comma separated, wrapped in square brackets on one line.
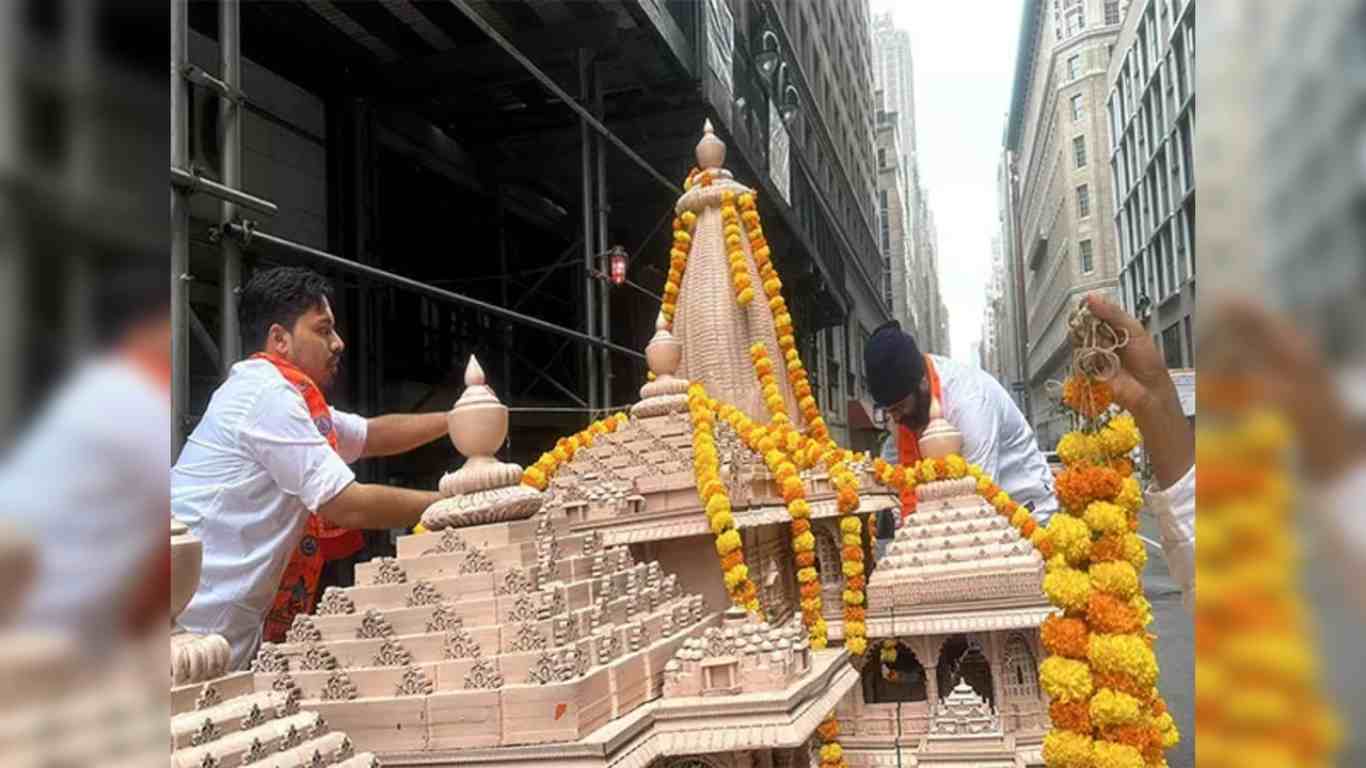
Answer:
[(398, 433), (1144, 388), (367, 506)]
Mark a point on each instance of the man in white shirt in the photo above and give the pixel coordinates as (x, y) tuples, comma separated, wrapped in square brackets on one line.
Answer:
[(260, 462), (996, 436)]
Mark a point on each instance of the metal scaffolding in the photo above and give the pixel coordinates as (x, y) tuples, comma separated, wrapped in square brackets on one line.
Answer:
[(236, 234)]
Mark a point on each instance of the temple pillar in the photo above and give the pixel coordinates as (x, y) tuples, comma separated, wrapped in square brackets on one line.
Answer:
[(995, 642), (932, 686)]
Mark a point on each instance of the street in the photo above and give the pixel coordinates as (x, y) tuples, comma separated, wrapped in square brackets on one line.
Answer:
[(1175, 645)]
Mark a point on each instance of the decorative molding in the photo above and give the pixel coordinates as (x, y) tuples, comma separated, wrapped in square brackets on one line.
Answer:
[(483, 674), (270, 659), (256, 752), (284, 683), (413, 683), (253, 718), (206, 733), (460, 644), (444, 619), (449, 543), (390, 572), (517, 581), (373, 626), (335, 602), (391, 654), (524, 609), (317, 658), (528, 638), (208, 697), (303, 630), (476, 561), (423, 593), (338, 687)]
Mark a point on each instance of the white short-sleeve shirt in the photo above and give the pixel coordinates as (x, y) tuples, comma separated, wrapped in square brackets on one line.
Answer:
[(249, 475), (996, 435)]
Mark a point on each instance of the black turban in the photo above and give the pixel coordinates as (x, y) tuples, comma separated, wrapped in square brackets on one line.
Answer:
[(894, 365)]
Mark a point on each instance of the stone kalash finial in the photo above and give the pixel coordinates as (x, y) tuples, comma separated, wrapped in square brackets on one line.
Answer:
[(711, 151), (485, 490), (667, 393), (194, 658), (940, 438)]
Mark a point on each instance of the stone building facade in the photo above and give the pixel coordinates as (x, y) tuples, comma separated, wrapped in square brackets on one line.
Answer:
[(1151, 114), (1058, 133)]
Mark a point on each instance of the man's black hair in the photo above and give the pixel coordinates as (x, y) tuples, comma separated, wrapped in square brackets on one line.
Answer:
[(278, 295)]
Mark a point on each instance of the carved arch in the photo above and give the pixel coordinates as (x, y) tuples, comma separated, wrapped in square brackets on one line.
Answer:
[(1020, 670)]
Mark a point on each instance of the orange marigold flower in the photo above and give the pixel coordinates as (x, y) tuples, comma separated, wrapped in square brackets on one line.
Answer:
[(800, 526), (1133, 735), (811, 589), (733, 559), (1107, 548), (1028, 528), (829, 730), (1123, 466), (806, 559), (856, 583), (1072, 716), (1065, 637), (852, 553), (1079, 486), (1087, 396), (1120, 682), (854, 613), (1110, 615)]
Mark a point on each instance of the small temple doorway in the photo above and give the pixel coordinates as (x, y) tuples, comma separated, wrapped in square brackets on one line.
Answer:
[(962, 657)]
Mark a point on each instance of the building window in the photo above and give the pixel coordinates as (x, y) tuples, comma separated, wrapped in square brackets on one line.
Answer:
[(1083, 201), (828, 556), (1087, 257), (1073, 67), (1078, 107), (881, 157), (1112, 11), (1171, 345), (1022, 681), (1079, 151)]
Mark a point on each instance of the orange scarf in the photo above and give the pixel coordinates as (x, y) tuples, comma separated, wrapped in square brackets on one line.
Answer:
[(322, 541), (908, 442)]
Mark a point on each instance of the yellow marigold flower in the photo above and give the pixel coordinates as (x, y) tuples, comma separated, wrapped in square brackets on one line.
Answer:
[(1117, 578), (1124, 654), (1071, 537), (850, 525), (853, 597), (1130, 495), (804, 543), (718, 505), (1104, 517), (1055, 563), (1065, 749), (806, 575), (851, 540), (976, 472), (928, 472), (855, 628), (956, 465), (1065, 679), (1020, 517), (419, 529), (1134, 552), (745, 296), (722, 521), (1068, 588), (799, 509), (1038, 536), (727, 542), (1076, 448), (1110, 755), (689, 218), (1114, 708), (534, 477), (852, 568), (1143, 608), (735, 576), (983, 483), (1120, 435)]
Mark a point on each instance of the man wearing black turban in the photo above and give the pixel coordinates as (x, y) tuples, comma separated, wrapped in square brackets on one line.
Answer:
[(903, 383)]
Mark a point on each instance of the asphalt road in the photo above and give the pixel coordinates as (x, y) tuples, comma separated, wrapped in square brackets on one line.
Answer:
[(1175, 646)]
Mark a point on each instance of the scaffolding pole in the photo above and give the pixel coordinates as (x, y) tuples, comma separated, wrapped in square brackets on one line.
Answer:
[(180, 229), (604, 295), (249, 235), (230, 72), (590, 363)]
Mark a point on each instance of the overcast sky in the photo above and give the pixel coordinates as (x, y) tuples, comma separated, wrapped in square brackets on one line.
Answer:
[(964, 55)]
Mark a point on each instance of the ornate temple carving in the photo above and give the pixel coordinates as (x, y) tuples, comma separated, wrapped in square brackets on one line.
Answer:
[(449, 542), (483, 674), (373, 626), (413, 683), (390, 572), (334, 602), (444, 619), (208, 697), (338, 687), (423, 593), (303, 630), (317, 658), (391, 654), (459, 644), (528, 638), (269, 659)]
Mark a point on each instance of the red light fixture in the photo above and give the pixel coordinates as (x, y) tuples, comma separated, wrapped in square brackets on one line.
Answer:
[(617, 265)]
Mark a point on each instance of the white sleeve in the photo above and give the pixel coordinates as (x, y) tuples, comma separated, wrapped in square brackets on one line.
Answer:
[(978, 420), (889, 451), (1175, 511), (351, 434), (287, 443)]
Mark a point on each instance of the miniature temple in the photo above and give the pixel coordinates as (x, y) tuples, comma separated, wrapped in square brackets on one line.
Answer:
[(585, 622)]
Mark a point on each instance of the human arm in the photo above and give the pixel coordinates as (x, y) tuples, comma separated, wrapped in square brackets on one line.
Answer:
[(367, 505), (1175, 512), (396, 433), (1145, 389)]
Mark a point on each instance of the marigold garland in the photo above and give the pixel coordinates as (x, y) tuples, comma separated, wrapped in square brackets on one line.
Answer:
[(832, 754), (539, 475), (716, 502), (1100, 656)]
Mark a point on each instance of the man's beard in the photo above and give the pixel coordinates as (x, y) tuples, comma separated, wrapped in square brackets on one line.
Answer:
[(920, 418)]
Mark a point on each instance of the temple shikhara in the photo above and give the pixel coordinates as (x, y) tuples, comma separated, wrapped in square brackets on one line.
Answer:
[(690, 584)]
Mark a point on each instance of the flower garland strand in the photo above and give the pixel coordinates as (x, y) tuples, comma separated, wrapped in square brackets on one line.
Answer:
[(539, 475), (1101, 672), (716, 502), (1259, 697), (851, 558), (832, 754), (683, 226), (766, 443)]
